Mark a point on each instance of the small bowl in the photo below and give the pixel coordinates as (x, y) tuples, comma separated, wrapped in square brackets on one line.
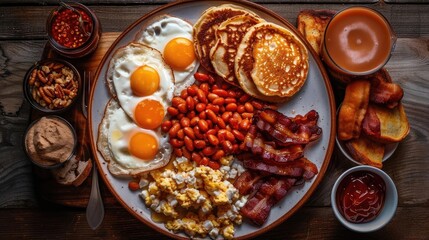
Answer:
[(83, 45), (386, 213), (34, 96), (37, 160)]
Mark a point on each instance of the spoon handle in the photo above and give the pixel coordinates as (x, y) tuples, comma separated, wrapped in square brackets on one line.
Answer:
[(81, 22), (95, 208), (67, 6)]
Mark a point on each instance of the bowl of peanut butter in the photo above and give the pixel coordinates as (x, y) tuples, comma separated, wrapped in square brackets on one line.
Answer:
[(50, 141)]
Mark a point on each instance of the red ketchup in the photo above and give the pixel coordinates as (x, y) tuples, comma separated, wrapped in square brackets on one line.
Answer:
[(360, 196)]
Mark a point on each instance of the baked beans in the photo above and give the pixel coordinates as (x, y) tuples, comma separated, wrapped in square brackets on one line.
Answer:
[(209, 121)]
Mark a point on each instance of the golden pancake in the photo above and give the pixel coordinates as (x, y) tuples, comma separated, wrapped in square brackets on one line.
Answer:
[(272, 61), (205, 30), (229, 36)]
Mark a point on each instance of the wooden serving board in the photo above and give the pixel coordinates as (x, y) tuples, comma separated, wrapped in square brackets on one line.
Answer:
[(46, 186)]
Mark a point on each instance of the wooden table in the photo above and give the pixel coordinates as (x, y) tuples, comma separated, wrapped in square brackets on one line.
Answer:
[(24, 213)]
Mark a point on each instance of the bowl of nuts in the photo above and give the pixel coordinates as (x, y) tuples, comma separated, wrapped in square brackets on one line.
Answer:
[(52, 85)]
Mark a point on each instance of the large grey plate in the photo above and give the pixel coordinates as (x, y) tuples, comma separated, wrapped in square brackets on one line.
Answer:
[(316, 94)]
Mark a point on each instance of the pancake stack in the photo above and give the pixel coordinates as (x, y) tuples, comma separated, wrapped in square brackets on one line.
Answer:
[(267, 61)]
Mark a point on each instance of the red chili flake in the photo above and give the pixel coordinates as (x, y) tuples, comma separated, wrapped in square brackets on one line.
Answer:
[(66, 28)]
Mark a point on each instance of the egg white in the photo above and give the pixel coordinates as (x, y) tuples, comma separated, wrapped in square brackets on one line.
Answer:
[(162, 31), (115, 132), (123, 63)]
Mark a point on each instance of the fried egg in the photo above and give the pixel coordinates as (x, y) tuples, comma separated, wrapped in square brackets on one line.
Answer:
[(128, 148), (142, 82), (173, 38)]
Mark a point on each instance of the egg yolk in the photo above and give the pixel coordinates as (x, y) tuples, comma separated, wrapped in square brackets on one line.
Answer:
[(144, 81), (179, 53), (149, 113), (143, 145)]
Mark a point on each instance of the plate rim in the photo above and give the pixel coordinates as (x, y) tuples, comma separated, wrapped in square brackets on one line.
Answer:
[(320, 67)]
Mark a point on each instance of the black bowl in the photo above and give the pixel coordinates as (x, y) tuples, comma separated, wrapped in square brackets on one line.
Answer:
[(33, 93), (37, 160)]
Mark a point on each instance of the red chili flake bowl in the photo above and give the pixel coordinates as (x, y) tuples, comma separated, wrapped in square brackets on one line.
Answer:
[(68, 36)]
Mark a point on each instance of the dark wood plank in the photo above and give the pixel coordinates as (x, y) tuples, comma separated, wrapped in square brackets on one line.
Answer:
[(308, 223), (407, 20), (16, 180)]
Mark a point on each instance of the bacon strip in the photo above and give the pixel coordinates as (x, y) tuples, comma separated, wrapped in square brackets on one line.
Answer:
[(286, 154), (299, 168), (248, 182), (268, 151), (371, 123), (271, 191), (386, 93), (299, 130)]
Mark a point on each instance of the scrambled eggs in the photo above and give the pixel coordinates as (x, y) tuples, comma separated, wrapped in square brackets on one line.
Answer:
[(197, 200)]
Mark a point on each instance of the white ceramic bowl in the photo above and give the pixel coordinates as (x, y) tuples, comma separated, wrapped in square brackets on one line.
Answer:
[(386, 213)]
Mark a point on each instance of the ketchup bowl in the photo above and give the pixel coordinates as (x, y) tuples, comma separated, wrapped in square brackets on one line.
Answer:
[(364, 199)]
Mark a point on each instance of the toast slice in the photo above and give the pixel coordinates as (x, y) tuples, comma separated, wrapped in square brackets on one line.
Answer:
[(385, 125), (312, 24), (366, 151)]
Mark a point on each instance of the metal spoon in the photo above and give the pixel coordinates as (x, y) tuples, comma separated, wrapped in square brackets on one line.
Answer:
[(80, 19), (95, 208)]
